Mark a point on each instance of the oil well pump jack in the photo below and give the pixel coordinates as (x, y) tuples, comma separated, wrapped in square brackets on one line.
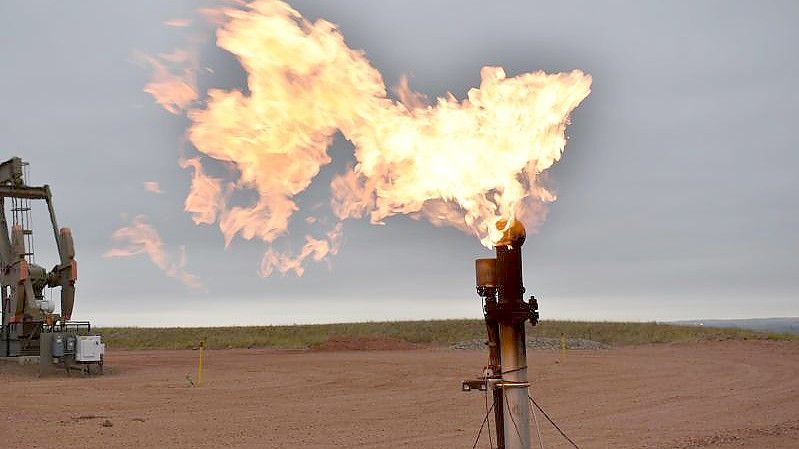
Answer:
[(30, 328)]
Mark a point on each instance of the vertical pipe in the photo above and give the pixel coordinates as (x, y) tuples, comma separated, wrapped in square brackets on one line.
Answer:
[(487, 289), (513, 350), (3, 330), (495, 362), (514, 369)]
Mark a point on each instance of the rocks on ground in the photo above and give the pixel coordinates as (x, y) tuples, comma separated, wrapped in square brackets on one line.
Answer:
[(542, 343)]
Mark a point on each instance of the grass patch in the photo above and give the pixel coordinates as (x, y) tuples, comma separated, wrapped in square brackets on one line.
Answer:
[(439, 332)]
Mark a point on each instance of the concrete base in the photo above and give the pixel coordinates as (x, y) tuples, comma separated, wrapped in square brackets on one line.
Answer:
[(22, 360)]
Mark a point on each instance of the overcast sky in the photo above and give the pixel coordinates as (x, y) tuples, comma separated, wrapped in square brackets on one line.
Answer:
[(678, 196)]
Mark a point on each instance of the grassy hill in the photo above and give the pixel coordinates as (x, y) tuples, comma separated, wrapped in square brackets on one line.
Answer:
[(788, 325), (439, 332)]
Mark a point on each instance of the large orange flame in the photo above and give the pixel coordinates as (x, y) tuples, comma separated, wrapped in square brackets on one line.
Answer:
[(463, 163)]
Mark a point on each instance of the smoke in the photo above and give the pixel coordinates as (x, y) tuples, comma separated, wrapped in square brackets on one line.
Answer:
[(464, 163), (141, 238)]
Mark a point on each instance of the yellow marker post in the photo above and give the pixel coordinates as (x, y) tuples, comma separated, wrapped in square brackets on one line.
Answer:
[(200, 363)]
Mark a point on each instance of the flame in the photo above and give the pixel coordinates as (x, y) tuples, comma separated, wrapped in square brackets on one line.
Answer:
[(141, 238), (469, 163), (205, 195), (152, 187), (178, 22), (466, 163), (317, 249), (174, 80)]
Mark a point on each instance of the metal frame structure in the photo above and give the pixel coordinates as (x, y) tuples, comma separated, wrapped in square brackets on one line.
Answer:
[(25, 311)]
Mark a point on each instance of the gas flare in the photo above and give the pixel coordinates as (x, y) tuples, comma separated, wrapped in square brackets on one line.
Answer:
[(205, 195), (317, 249), (178, 22), (152, 187), (142, 238), (174, 82), (463, 163)]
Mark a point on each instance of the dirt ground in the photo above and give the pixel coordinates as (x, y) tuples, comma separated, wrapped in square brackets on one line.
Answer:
[(708, 395)]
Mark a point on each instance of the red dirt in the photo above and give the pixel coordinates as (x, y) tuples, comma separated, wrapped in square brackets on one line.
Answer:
[(708, 395)]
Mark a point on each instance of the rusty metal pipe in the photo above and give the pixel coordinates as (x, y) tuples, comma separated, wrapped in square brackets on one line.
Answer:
[(499, 283), (513, 350), (486, 274)]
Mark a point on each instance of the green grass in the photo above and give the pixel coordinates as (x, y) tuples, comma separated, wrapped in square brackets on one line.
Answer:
[(440, 332)]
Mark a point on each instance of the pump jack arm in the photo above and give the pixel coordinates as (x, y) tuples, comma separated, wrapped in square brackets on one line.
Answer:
[(12, 185)]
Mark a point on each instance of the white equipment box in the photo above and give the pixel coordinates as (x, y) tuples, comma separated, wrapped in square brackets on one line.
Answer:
[(89, 348)]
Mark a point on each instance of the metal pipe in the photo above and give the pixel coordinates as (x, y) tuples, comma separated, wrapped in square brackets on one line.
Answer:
[(486, 273), (495, 368), (499, 283), (513, 350), (514, 370)]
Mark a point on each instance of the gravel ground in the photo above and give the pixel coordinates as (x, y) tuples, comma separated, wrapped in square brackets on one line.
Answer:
[(544, 343), (710, 395)]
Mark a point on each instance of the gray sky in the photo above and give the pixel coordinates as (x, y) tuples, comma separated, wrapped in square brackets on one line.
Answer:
[(678, 196)]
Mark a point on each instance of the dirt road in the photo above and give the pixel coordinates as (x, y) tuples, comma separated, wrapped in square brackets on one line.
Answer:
[(708, 395)]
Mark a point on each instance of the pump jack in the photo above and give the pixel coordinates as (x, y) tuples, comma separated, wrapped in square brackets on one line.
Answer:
[(29, 326)]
